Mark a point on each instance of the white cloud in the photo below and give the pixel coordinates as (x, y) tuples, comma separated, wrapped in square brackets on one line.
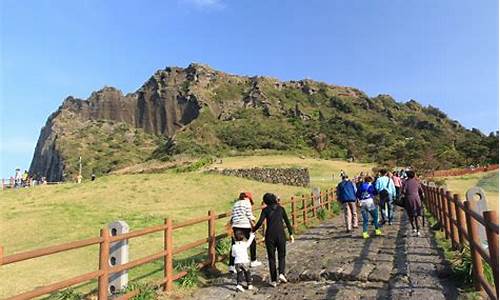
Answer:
[(206, 4)]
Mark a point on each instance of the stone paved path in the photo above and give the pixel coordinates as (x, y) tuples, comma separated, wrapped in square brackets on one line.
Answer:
[(327, 263)]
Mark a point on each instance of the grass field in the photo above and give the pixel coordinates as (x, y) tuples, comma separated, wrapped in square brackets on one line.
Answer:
[(488, 181), (49, 215)]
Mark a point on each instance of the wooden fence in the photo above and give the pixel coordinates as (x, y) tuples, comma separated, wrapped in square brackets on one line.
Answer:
[(460, 224), (302, 211), (460, 172)]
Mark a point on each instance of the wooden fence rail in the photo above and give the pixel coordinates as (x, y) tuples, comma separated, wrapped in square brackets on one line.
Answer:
[(466, 171), (460, 224), (300, 214)]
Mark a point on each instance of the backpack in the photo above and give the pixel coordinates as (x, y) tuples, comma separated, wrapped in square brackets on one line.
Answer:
[(364, 191), (384, 194)]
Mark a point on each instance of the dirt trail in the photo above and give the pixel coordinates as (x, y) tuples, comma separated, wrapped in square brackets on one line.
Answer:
[(327, 263)]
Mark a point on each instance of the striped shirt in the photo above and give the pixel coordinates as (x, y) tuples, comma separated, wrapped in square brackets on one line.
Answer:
[(242, 214)]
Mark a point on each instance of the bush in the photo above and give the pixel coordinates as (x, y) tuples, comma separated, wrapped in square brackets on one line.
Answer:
[(223, 246), (191, 278), (336, 208), (146, 291), (322, 214), (67, 294)]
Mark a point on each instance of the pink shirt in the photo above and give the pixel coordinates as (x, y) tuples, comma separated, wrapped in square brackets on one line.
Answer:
[(397, 181)]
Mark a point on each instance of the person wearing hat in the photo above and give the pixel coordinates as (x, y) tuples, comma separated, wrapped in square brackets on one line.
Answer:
[(242, 219)]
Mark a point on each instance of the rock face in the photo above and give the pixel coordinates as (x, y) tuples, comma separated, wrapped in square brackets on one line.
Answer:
[(287, 176), (169, 101), (159, 107), (198, 111)]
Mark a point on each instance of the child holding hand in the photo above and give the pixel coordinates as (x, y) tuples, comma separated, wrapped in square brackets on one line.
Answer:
[(241, 260)]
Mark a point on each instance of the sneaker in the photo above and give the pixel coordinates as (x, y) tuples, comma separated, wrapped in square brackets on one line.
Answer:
[(273, 284), (255, 263), (365, 235), (418, 233), (282, 278), (240, 288), (250, 287), (231, 269), (390, 222), (378, 232), (414, 230)]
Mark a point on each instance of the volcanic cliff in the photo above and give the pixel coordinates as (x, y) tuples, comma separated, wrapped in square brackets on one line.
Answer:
[(199, 111)]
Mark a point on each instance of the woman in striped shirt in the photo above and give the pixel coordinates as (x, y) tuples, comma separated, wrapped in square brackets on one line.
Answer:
[(242, 219)]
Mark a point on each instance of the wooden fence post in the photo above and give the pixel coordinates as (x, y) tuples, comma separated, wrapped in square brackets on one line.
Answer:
[(431, 202), (462, 225), (473, 234), (435, 204), (444, 212), (211, 238), (439, 209), (304, 209), (491, 217), (327, 201), (103, 265), (452, 218), (313, 205), (293, 212), (168, 263)]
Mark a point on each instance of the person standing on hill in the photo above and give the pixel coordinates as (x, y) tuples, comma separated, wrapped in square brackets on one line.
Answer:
[(18, 178), (412, 192), (275, 215), (346, 194), (242, 219), (387, 193), (366, 195)]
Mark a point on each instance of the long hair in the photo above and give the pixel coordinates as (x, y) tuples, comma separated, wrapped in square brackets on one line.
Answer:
[(270, 199)]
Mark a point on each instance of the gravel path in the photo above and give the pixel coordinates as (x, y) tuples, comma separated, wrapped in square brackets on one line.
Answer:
[(327, 263)]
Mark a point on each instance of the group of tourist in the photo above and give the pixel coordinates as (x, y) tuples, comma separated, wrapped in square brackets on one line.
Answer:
[(375, 196), (23, 180), (378, 196)]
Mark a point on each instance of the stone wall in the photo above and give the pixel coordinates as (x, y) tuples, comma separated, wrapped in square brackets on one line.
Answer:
[(288, 176)]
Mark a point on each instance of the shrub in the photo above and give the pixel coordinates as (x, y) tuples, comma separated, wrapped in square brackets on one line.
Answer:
[(67, 294), (146, 291), (223, 246), (322, 214), (191, 278), (336, 208)]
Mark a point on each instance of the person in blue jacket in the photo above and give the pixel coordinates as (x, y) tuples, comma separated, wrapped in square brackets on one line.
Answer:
[(366, 195), (387, 193), (346, 194)]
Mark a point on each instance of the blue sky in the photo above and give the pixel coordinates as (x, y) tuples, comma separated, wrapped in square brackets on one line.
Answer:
[(443, 53)]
